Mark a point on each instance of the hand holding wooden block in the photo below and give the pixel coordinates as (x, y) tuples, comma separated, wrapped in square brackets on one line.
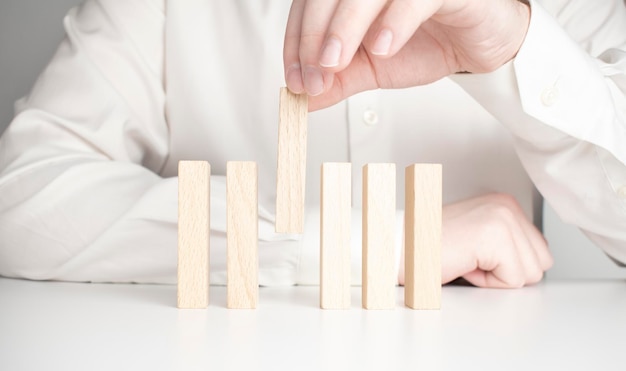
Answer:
[(291, 169)]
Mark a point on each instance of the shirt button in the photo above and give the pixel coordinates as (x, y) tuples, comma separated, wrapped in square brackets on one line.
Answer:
[(370, 117), (549, 96), (621, 192)]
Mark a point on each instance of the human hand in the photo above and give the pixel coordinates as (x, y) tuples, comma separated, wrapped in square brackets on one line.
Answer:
[(488, 241), (336, 48)]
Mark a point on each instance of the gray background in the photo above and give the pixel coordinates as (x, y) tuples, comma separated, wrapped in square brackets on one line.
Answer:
[(30, 31)]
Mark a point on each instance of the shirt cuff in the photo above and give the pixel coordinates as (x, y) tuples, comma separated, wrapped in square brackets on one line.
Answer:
[(555, 97), (563, 86), (555, 81)]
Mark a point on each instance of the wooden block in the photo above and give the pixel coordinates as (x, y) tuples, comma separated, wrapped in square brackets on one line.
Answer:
[(422, 239), (242, 235), (379, 214), (335, 221), (193, 233), (291, 169)]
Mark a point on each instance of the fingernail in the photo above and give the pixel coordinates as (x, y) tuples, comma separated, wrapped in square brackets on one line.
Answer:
[(313, 81), (382, 43), (331, 53), (294, 79)]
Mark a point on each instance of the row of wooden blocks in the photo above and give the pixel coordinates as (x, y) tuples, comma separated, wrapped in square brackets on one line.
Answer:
[(422, 239)]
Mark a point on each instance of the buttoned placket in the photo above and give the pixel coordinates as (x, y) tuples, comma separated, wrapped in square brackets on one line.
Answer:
[(369, 137)]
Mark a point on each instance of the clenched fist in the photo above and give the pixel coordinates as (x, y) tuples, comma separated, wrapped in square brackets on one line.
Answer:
[(489, 241)]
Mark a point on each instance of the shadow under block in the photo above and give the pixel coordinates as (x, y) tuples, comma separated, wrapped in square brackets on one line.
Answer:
[(193, 234), (291, 169), (422, 239), (379, 209), (242, 235), (335, 221)]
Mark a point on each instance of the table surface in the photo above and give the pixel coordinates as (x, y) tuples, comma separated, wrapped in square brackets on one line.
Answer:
[(564, 325)]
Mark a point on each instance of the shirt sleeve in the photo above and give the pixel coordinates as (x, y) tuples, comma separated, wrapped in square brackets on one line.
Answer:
[(564, 99), (81, 198)]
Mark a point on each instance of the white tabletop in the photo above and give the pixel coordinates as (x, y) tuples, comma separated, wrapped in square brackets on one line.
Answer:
[(556, 325)]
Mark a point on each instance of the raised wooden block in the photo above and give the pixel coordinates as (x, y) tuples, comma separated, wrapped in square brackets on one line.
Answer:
[(422, 238), (291, 169), (379, 215), (242, 235), (335, 221), (193, 233)]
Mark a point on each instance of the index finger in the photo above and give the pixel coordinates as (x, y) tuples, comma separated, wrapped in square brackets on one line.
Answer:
[(291, 47)]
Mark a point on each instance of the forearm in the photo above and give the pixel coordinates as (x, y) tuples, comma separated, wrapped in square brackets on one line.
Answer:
[(103, 221), (566, 111)]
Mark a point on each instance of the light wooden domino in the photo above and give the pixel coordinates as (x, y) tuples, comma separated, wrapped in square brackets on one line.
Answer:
[(422, 228), (193, 234), (335, 221), (379, 207), (242, 235), (291, 169)]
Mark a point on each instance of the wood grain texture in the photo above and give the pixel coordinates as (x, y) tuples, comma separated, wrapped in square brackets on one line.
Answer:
[(422, 239), (193, 233), (379, 210), (335, 221), (291, 169), (242, 235)]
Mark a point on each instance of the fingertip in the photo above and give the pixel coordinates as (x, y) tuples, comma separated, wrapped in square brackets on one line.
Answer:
[(382, 43), (331, 52), (293, 79), (313, 81)]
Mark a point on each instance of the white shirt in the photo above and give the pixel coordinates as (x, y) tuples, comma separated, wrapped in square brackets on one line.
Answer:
[(88, 187)]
